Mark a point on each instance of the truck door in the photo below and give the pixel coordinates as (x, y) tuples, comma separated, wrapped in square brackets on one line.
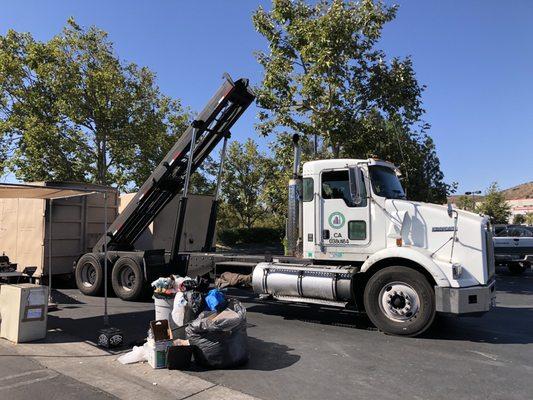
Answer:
[(345, 226)]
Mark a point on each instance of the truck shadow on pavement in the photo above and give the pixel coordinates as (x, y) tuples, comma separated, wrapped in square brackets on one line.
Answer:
[(514, 284), (494, 327)]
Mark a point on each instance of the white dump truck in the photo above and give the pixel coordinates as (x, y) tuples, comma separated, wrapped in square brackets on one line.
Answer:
[(363, 243), (354, 239)]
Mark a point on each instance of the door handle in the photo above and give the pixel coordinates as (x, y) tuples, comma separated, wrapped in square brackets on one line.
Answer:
[(325, 234)]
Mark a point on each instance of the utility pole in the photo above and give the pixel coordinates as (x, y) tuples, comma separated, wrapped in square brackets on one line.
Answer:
[(473, 193)]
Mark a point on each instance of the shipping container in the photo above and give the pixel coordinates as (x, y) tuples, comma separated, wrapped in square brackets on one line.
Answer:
[(77, 224)]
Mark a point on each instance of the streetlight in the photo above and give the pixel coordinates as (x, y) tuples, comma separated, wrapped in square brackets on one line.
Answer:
[(473, 193)]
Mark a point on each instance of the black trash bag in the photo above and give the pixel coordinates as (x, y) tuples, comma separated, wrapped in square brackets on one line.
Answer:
[(219, 340), (195, 302)]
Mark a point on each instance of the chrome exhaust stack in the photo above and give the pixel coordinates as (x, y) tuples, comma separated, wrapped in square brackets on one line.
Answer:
[(294, 211)]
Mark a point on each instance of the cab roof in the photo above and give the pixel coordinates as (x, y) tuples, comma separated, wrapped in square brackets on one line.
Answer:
[(315, 167)]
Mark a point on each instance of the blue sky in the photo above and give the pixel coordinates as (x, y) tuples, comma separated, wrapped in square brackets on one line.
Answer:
[(476, 58)]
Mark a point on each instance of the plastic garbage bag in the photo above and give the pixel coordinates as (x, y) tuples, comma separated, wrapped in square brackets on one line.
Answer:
[(220, 340), (195, 301), (137, 354), (181, 314), (215, 300)]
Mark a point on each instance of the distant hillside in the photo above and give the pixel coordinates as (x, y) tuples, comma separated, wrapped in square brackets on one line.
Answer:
[(523, 191)]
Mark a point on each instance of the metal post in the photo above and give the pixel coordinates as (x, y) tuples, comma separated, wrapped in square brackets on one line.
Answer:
[(178, 229), (208, 244), (189, 164), (221, 167), (50, 299), (106, 316)]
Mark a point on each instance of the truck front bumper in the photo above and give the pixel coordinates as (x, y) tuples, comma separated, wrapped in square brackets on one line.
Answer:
[(505, 258), (466, 300)]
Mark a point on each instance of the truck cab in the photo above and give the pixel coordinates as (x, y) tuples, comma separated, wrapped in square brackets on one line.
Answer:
[(364, 244)]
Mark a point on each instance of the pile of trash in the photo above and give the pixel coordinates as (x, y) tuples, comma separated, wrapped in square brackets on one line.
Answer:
[(192, 321)]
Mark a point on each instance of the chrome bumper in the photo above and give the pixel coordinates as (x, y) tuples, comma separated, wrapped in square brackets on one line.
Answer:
[(467, 300), (503, 258)]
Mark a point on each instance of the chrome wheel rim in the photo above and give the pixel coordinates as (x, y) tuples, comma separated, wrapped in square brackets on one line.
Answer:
[(127, 278), (399, 301), (88, 275)]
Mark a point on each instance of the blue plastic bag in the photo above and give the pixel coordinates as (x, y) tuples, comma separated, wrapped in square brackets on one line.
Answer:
[(215, 300)]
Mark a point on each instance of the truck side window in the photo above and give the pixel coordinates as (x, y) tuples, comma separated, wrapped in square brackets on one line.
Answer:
[(308, 189), (335, 185), (357, 230)]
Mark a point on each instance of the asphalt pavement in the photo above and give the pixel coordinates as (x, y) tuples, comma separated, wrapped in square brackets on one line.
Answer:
[(305, 352), (22, 378)]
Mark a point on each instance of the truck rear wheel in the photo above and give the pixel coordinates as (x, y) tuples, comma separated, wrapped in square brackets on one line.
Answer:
[(400, 301), (89, 274), (127, 278)]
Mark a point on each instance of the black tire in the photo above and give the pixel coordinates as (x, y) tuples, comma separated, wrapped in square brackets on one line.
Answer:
[(127, 279), (518, 268), (89, 274), (410, 293)]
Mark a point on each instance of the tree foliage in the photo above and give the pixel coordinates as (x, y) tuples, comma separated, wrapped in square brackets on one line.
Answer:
[(519, 219), (466, 203), (243, 182), (494, 205), (323, 75), (71, 110)]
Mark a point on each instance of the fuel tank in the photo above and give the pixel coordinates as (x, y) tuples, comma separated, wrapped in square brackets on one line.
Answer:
[(320, 282)]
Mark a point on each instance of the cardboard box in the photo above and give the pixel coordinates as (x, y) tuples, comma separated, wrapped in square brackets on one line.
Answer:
[(160, 330), (157, 353)]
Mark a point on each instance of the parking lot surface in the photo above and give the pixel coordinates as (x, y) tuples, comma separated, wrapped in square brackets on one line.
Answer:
[(303, 352)]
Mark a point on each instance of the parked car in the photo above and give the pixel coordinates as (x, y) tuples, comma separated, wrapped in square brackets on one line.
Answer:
[(513, 246)]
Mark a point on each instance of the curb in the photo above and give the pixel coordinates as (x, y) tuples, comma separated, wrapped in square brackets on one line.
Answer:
[(65, 354)]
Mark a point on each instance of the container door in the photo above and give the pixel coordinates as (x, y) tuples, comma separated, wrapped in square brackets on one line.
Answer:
[(345, 226)]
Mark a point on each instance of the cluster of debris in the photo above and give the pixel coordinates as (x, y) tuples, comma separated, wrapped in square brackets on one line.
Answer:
[(6, 265), (194, 322)]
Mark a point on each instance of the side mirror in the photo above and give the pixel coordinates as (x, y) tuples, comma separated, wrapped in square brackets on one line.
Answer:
[(450, 210), (354, 176)]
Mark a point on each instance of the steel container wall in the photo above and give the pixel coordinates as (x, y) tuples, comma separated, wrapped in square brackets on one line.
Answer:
[(77, 223), (159, 234)]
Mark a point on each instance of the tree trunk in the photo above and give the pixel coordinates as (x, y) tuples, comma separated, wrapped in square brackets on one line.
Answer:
[(101, 162)]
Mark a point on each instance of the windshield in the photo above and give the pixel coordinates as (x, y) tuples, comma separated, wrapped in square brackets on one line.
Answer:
[(385, 182), (517, 231)]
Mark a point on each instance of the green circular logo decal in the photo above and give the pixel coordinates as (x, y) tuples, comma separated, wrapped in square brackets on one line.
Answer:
[(336, 220)]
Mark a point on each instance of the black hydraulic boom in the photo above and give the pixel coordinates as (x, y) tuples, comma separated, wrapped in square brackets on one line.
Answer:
[(171, 176)]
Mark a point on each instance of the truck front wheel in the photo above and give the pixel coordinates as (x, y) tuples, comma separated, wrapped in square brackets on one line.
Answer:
[(127, 278), (400, 301), (89, 274)]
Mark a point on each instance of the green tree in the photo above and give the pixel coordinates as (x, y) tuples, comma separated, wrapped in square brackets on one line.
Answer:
[(243, 182), (519, 219), (494, 205), (324, 76), (71, 110), (529, 219), (465, 202)]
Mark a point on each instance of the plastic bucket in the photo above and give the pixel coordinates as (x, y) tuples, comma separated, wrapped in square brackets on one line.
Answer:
[(163, 310)]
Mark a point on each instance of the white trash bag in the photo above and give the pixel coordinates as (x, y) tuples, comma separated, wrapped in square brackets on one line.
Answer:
[(137, 354)]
